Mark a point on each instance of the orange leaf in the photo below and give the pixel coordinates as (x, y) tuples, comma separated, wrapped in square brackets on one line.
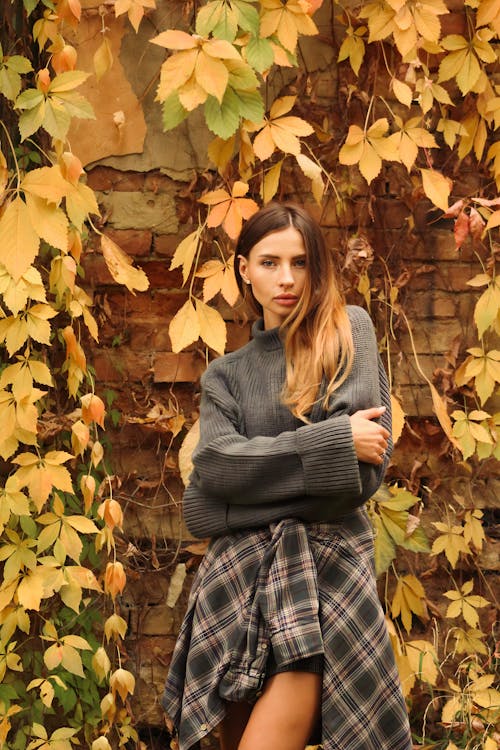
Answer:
[(175, 40), (218, 213), (461, 229), (93, 409)]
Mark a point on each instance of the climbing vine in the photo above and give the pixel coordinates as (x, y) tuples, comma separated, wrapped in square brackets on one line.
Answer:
[(63, 682)]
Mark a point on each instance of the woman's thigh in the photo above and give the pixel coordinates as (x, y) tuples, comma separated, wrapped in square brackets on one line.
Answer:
[(283, 718)]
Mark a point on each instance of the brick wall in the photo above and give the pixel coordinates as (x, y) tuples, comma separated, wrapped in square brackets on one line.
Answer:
[(146, 208)]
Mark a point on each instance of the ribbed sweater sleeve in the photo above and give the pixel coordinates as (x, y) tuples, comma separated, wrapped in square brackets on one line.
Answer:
[(245, 471)]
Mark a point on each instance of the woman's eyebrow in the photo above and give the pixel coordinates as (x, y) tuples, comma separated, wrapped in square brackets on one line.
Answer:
[(278, 257)]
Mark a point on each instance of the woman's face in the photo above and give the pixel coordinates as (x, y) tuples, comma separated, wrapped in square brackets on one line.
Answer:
[(276, 270)]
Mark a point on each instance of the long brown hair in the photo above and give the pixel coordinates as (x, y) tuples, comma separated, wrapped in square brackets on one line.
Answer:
[(318, 337)]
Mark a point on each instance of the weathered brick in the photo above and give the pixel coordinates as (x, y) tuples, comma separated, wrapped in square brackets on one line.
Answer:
[(159, 276), (166, 244), (106, 178), (134, 242), (121, 365), (185, 367), (141, 210)]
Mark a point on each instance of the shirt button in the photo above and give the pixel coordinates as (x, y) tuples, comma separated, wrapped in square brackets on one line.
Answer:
[(203, 727)]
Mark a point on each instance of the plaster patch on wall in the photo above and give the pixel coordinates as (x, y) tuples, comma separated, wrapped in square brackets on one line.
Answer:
[(135, 210), (120, 127), (176, 153)]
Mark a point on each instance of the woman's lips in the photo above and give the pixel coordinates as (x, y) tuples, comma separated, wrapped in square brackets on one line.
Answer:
[(286, 299)]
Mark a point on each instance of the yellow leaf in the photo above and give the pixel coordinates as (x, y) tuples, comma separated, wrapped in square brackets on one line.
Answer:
[(186, 450), (184, 328), (101, 663), (123, 683), (121, 268), (30, 591), (49, 221), (176, 71), (212, 328), (493, 220), (423, 660), (97, 453), (103, 58), (185, 254), (87, 487), (402, 92), (172, 39), (115, 627), (47, 183), (213, 273), (281, 106), (398, 418), (437, 187), (271, 181), (263, 144), (451, 542), (71, 660), (452, 710), (18, 239), (221, 151), (211, 74), (80, 202), (312, 170)]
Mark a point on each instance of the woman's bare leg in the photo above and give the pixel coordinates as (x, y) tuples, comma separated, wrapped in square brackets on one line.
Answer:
[(282, 719)]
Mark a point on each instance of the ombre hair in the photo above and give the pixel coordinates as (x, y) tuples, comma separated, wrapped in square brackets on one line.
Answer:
[(317, 333)]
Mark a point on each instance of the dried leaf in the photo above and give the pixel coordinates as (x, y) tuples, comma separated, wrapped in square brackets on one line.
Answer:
[(184, 328), (437, 187), (121, 268)]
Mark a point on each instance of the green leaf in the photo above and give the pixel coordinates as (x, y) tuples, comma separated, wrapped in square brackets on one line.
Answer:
[(30, 5), (385, 549), (10, 83), (173, 112), (227, 28), (248, 17), (75, 104), (18, 64), (208, 17), (223, 119), (251, 105), (487, 306), (29, 99), (31, 120), (219, 19), (417, 542), (241, 76), (259, 54), (57, 120)]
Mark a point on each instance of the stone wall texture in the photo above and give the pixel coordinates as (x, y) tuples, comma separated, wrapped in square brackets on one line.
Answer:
[(142, 178)]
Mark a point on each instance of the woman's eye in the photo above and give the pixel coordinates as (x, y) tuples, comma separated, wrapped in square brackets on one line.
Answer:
[(300, 263), (268, 263)]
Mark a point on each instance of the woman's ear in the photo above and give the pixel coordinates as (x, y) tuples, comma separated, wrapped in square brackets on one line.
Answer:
[(243, 266)]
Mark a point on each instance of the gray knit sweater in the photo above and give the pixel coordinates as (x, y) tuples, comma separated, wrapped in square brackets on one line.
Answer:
[(256, 463)]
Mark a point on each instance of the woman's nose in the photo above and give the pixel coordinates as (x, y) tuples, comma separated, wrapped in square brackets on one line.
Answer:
[(286, 276)]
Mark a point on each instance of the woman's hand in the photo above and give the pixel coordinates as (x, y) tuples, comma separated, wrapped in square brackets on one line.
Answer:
[(370, 438)]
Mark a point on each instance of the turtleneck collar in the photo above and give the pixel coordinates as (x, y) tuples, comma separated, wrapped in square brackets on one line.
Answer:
[(270, 339)]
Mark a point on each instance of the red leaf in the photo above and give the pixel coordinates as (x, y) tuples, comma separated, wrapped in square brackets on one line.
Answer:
[(461, 229)]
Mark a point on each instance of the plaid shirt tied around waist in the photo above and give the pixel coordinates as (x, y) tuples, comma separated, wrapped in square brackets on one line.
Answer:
[(300, 590)]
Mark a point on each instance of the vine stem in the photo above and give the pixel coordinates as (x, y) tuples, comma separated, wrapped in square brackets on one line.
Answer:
[(9, 139)]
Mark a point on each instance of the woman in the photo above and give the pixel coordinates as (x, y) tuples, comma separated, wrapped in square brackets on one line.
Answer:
[(284, 636)]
